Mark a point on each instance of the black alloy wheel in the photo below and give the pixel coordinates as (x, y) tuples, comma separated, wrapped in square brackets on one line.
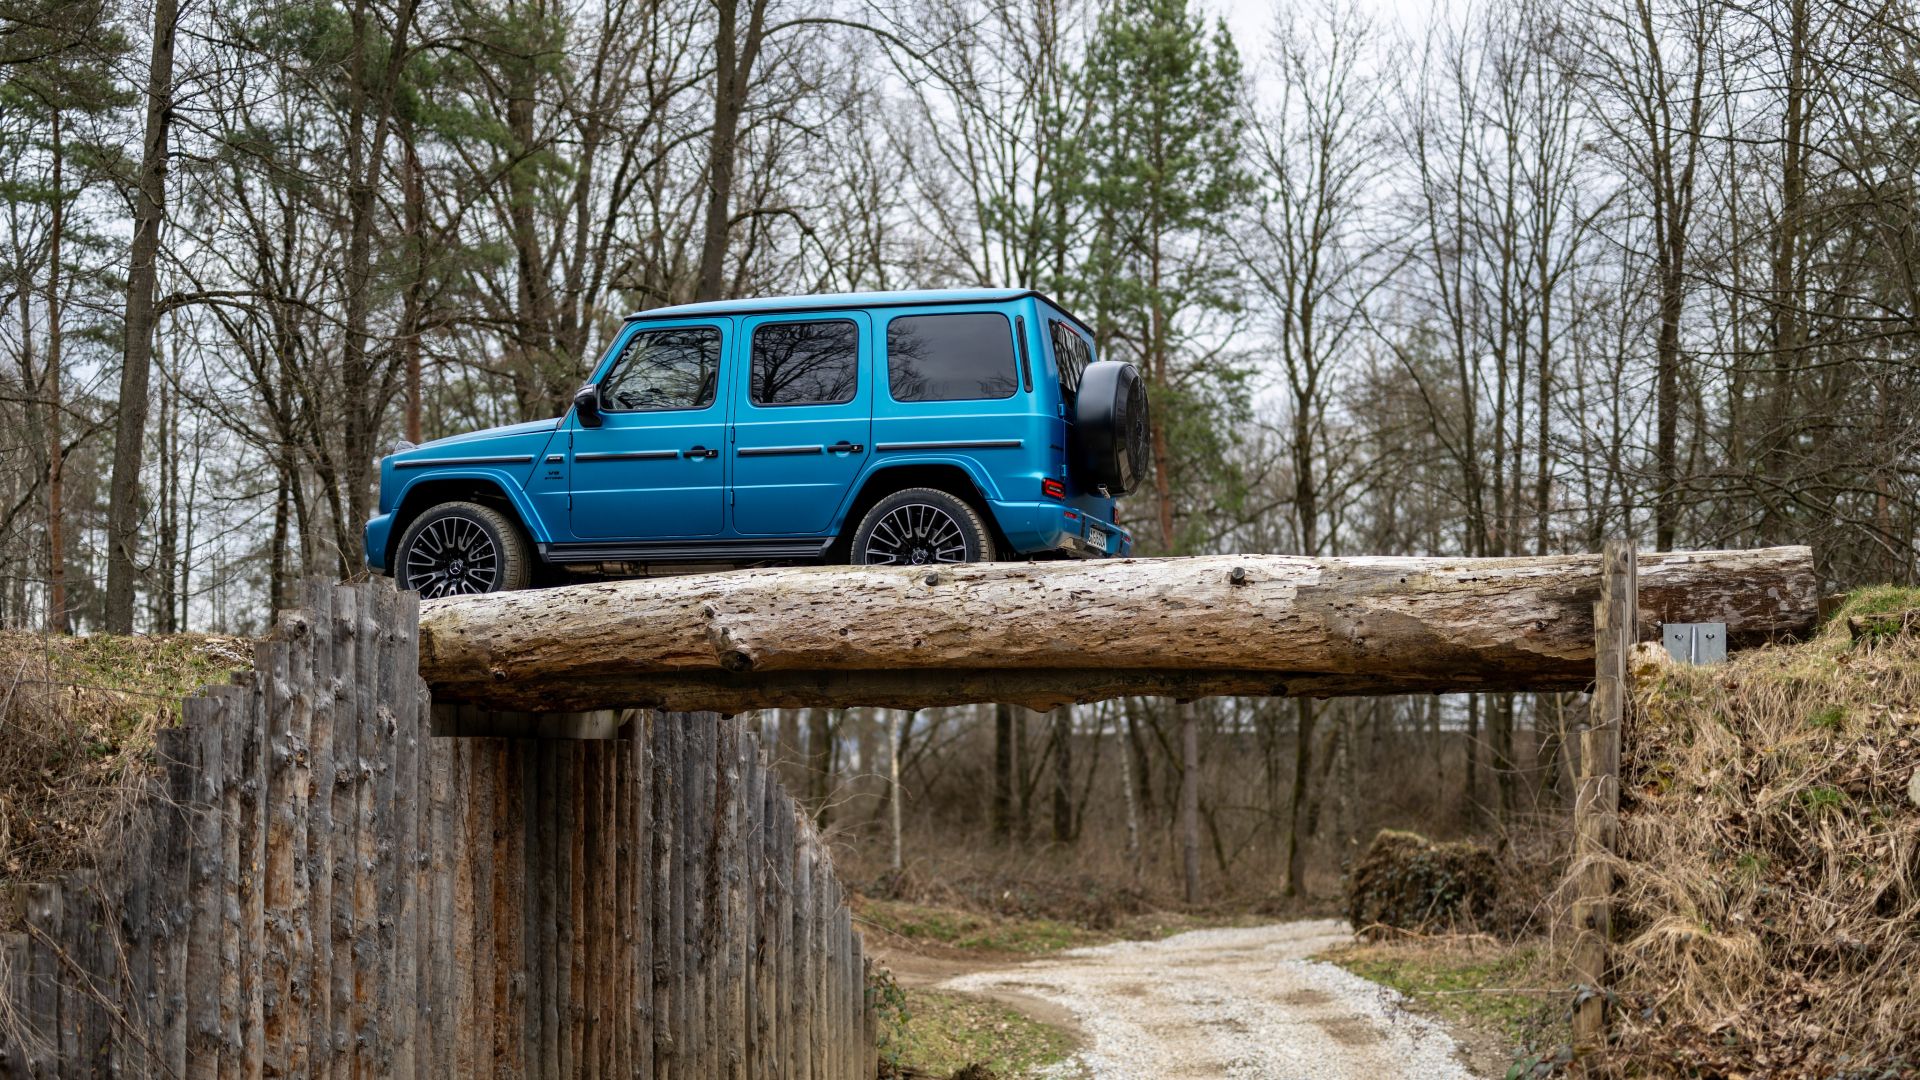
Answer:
[(462, 549), (921, 526)]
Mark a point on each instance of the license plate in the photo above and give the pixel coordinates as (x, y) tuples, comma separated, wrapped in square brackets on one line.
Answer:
[(1097, 538)]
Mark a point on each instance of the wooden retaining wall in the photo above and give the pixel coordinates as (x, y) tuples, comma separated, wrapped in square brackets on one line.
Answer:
[(316, 887)]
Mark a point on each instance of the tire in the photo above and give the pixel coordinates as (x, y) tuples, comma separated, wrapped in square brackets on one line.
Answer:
[(462, 549), (921, 526), (1112, 440)]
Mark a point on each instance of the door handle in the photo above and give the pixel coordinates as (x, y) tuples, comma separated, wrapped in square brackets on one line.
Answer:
[(702, 452), (844, 447)]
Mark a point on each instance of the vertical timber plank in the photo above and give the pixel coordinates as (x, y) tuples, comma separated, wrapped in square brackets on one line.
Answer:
[(753, 926), (550, 904), (640, 742), (399, 673), (46, 912), (458, 1044), (254, 754), (803, 951), (346, 827), (237, 727), (573, 880), (277, 667), (323, 709), (1597, 799), (625, 996), (665, 884), (368, 760), (172, 910), (205, 720), (519, 886), (16, 982)]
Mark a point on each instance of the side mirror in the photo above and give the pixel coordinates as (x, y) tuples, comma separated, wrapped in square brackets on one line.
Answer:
[(586, 405)]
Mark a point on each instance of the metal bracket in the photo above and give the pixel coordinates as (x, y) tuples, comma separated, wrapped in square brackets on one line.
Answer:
[(1695, 643)]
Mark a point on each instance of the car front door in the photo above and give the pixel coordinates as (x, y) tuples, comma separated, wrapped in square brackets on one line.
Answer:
[(654, 469), (801, 427)]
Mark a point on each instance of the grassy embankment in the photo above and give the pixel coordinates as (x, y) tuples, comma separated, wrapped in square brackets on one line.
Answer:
[(1770, 873), (77, 717)]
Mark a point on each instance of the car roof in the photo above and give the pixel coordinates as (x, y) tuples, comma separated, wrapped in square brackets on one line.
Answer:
[(843, 301)]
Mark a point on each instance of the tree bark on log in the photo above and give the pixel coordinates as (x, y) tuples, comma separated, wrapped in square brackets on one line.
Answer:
[(1048, 634)]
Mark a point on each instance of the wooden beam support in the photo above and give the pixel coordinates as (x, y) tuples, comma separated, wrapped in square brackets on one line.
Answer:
[(1045, 634), (1596, 807)]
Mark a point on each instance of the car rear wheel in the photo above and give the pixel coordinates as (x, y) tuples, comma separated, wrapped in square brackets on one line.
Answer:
[(919, 526), (460, 549)]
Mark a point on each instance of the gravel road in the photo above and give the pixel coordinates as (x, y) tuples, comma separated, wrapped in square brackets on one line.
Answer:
[(1242, 1003)]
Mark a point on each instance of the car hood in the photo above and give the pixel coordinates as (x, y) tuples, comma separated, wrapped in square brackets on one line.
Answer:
[(511, 446), (530, 427)]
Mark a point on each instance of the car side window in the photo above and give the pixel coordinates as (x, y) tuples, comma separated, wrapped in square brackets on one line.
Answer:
[(1071, 355), (805, 363), (965, 356), (664, 369)]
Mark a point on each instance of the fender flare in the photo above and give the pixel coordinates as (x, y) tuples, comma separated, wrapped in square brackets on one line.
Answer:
[(508, 484)]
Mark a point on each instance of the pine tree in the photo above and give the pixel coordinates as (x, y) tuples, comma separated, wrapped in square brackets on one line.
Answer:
[(1157, 168)]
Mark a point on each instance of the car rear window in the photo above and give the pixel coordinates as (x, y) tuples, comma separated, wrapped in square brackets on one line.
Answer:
[(1071, 355), (805, 363), (963, 356), (664, 369)]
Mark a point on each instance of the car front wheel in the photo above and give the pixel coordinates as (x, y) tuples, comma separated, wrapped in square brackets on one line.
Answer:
[(462, 548), (919, 526)]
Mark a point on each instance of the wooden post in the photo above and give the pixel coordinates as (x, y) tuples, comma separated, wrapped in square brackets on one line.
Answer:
[(1596, 807)]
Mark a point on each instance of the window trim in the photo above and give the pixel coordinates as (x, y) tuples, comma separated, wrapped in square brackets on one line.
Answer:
[(1018, 352), (719, 369), (1053, 347), (854, 393), (1026, 363)]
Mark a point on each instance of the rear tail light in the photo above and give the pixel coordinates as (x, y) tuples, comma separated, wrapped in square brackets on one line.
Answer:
[(1053, 489)]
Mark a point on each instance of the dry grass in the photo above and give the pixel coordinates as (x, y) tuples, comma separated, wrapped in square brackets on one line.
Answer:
[(77, 717), (1769, 910)]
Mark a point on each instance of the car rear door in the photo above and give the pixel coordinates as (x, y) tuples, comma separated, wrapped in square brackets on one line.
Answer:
[(802, 420), (654, 469)]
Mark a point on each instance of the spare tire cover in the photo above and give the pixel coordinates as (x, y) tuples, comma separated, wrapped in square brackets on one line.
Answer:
[(1111, 437)]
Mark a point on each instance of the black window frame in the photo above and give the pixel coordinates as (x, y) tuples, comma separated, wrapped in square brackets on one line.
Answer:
[(719, 363), (1056, 327), (1015, 352), (853, 391)]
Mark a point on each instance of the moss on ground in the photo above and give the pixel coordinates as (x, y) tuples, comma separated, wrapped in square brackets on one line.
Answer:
[(1876, 600), (940, 1033)]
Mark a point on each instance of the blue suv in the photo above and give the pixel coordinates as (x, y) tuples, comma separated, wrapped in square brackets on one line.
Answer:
[(897, 428)]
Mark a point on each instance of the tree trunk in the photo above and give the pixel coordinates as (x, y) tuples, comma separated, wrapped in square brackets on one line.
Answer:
[(130, 428), (734, 56), (1002, 815), (895, 724), (57, 621), (820, 764), (1063, 774), (1297, 801), (1190, 801), (1127, 784), (1219, 625)]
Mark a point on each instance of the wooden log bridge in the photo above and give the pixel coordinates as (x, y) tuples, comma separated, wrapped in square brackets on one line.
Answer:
[(1046, 634)]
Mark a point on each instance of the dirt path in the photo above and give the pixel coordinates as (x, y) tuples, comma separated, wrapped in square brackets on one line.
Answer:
[(1243, 1003)]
